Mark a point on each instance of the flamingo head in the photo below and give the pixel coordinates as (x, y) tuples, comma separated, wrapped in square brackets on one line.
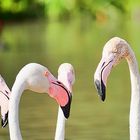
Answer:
[(66, 75), (4, 101), (114, 50)]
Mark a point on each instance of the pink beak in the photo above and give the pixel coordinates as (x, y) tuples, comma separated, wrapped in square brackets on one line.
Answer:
[(65, 108), (62, 95)]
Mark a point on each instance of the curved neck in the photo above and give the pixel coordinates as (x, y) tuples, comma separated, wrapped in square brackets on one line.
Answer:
[(14, 128), (135, 97), (60, 126)]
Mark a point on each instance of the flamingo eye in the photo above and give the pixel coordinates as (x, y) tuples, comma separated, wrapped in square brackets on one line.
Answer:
[(46, 73)]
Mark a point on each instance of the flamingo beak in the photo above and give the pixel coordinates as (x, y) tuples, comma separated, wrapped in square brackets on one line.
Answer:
[(100, 77), (4, 120), (63, 97)]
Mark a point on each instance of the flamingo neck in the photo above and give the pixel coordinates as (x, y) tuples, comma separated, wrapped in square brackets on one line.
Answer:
[(60, 126), (14, 128), (134, 119)]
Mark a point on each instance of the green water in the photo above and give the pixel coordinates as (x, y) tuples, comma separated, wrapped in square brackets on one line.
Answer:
[(79, 43)]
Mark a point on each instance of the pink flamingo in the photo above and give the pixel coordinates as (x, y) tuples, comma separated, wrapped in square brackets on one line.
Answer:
[(67, 77), (114, 51)]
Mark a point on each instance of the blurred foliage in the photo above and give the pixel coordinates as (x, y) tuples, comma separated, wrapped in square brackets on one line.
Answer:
[(20, 9), (58, 9)]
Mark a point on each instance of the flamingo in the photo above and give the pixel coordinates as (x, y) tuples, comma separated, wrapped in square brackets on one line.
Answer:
[(4, 101), (37, 78), (113, 52), (67, 77)]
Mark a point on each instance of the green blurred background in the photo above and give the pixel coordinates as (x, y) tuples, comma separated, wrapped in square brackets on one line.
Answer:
[(51, 32)]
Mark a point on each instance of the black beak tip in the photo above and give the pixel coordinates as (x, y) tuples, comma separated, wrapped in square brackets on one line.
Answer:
[(102, 97), (66, 111), (101, 89), (66, 108), (4, 123), (4, 120), (66, 114)]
